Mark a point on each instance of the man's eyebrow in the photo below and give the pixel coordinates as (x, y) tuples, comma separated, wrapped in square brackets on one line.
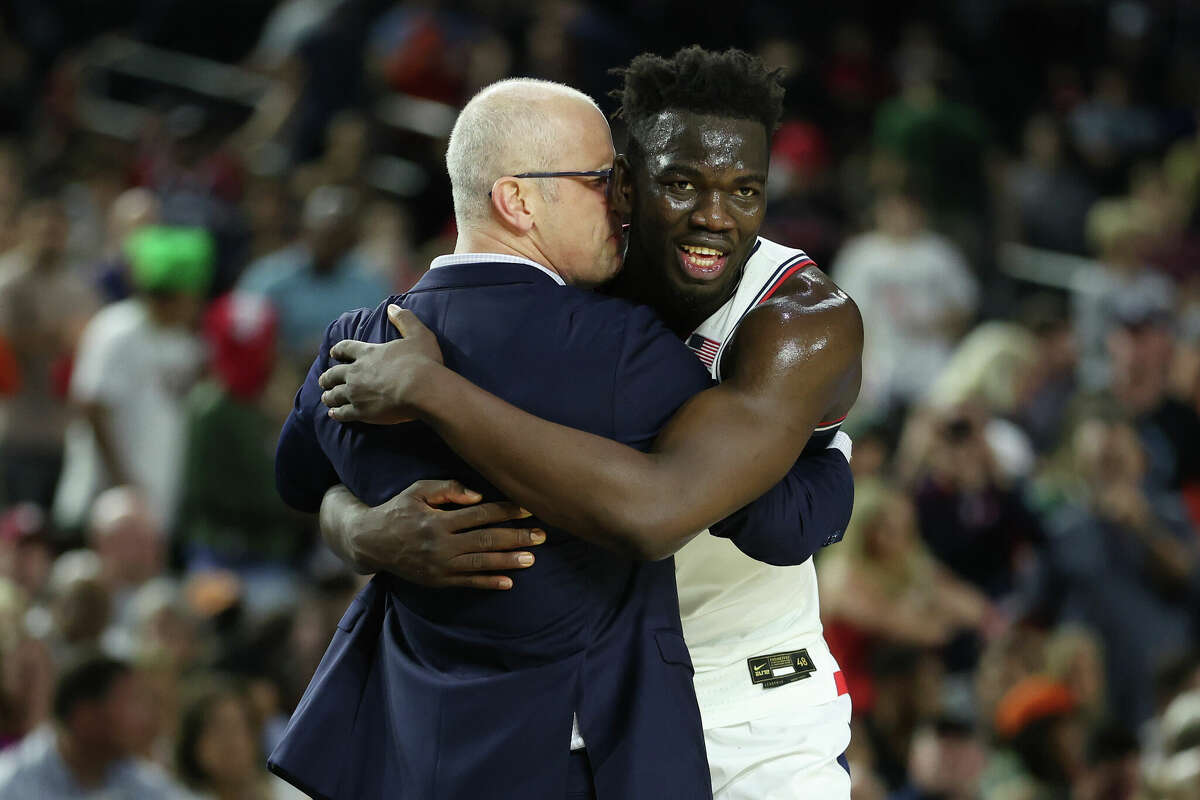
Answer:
[(681, 169), (677, 168)]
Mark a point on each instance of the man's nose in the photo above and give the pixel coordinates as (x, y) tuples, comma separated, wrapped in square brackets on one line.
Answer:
[(710, 213)]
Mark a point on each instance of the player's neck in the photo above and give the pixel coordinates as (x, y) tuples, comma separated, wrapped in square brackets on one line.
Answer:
[(682, 313)]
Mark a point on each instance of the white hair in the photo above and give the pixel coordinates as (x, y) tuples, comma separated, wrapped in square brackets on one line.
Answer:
[(507, 128)]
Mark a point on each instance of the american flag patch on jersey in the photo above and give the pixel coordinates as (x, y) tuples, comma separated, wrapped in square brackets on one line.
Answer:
[(704, 348)]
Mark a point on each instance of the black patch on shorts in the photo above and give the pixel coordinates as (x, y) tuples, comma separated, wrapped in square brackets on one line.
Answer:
[(795, 666)]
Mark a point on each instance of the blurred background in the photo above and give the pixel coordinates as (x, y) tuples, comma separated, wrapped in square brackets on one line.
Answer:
[(190, 191)]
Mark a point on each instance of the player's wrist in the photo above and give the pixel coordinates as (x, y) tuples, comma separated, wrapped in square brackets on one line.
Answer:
[(361, 540), (343, 524), (429, 391)]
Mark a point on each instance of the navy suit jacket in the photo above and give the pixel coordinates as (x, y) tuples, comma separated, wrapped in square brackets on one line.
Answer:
[(579, 359), (433, 694)]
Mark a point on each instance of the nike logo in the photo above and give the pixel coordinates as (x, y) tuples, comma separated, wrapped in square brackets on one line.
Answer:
[(759, 666)]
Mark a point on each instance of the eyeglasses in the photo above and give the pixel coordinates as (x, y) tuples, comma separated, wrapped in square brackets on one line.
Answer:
[(605, 174)]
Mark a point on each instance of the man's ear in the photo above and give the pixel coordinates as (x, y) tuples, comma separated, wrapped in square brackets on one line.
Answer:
[(622, 188), (511, 202)]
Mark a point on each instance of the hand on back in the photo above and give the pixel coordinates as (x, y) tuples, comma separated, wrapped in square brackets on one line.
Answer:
[(411, 537), (377, 383)]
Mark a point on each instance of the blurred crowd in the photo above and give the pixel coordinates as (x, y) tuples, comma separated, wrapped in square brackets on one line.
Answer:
[(1009, 189)]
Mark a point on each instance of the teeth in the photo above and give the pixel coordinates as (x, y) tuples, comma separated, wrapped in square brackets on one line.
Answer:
[(703, 251)]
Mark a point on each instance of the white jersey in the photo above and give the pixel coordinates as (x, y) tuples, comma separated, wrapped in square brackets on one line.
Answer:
[(754, 630)]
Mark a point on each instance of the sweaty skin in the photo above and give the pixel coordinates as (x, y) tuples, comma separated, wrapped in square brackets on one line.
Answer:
[(695, 181), (793, 363)]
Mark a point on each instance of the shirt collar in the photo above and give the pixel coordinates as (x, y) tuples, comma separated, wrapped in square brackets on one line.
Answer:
[(476, 258)]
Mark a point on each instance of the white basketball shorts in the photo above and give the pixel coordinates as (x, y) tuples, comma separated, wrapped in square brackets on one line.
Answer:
[(794, 755)]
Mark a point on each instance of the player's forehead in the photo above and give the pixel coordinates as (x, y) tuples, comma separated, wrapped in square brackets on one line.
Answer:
[(705, 142)]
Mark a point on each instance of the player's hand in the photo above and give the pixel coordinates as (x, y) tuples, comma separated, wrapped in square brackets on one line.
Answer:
[(409, 536), (378, 383)]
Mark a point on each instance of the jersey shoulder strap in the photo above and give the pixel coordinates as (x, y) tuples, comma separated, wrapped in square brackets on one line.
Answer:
[(768, 267)]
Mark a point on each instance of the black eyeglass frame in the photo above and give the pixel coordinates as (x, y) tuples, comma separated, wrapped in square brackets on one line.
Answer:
[(595, 173)]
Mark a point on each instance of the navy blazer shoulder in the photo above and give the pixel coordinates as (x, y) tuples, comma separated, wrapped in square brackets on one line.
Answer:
[(460, 693)]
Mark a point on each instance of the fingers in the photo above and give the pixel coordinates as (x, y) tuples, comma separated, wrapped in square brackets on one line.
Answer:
[(494, 582), (405, 321), (474, 562), (348, 350), (333, 376), (393, 312), (337, 396), (437, 493), (490, 562), (345, 413), (463, 519), (490, 540)]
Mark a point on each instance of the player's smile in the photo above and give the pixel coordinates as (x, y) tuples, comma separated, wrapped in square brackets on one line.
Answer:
[(703, 260)]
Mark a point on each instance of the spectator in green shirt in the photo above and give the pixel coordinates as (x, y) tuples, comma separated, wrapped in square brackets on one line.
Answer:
[(231, 517)]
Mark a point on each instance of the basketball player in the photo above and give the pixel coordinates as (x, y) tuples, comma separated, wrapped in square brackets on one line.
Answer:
[(785, 345)]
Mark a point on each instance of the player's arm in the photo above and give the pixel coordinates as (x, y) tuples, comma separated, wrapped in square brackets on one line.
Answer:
[(807, 510), (790, 364), (433, 553), (303, 471)]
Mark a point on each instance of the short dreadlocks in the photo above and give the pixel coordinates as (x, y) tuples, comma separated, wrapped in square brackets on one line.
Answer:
[(731, 83)]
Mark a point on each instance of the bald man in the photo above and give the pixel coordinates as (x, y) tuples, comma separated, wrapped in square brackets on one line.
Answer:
[(124, 531), (577, 682)]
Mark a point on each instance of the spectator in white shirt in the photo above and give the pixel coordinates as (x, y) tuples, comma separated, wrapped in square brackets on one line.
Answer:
[(102, 712), (137, 360), (916, 293)]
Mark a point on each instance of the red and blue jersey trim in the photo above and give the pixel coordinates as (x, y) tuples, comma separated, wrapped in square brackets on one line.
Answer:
[(830, 426), (784, 271), (822, 435)]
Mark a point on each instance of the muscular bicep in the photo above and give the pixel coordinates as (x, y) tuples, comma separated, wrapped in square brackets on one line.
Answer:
[(800, 358), (720, 450), (787, 370)]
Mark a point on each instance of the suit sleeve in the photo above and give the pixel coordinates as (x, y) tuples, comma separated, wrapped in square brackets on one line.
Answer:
[(303, 470), (808, 509), (656, 374)]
